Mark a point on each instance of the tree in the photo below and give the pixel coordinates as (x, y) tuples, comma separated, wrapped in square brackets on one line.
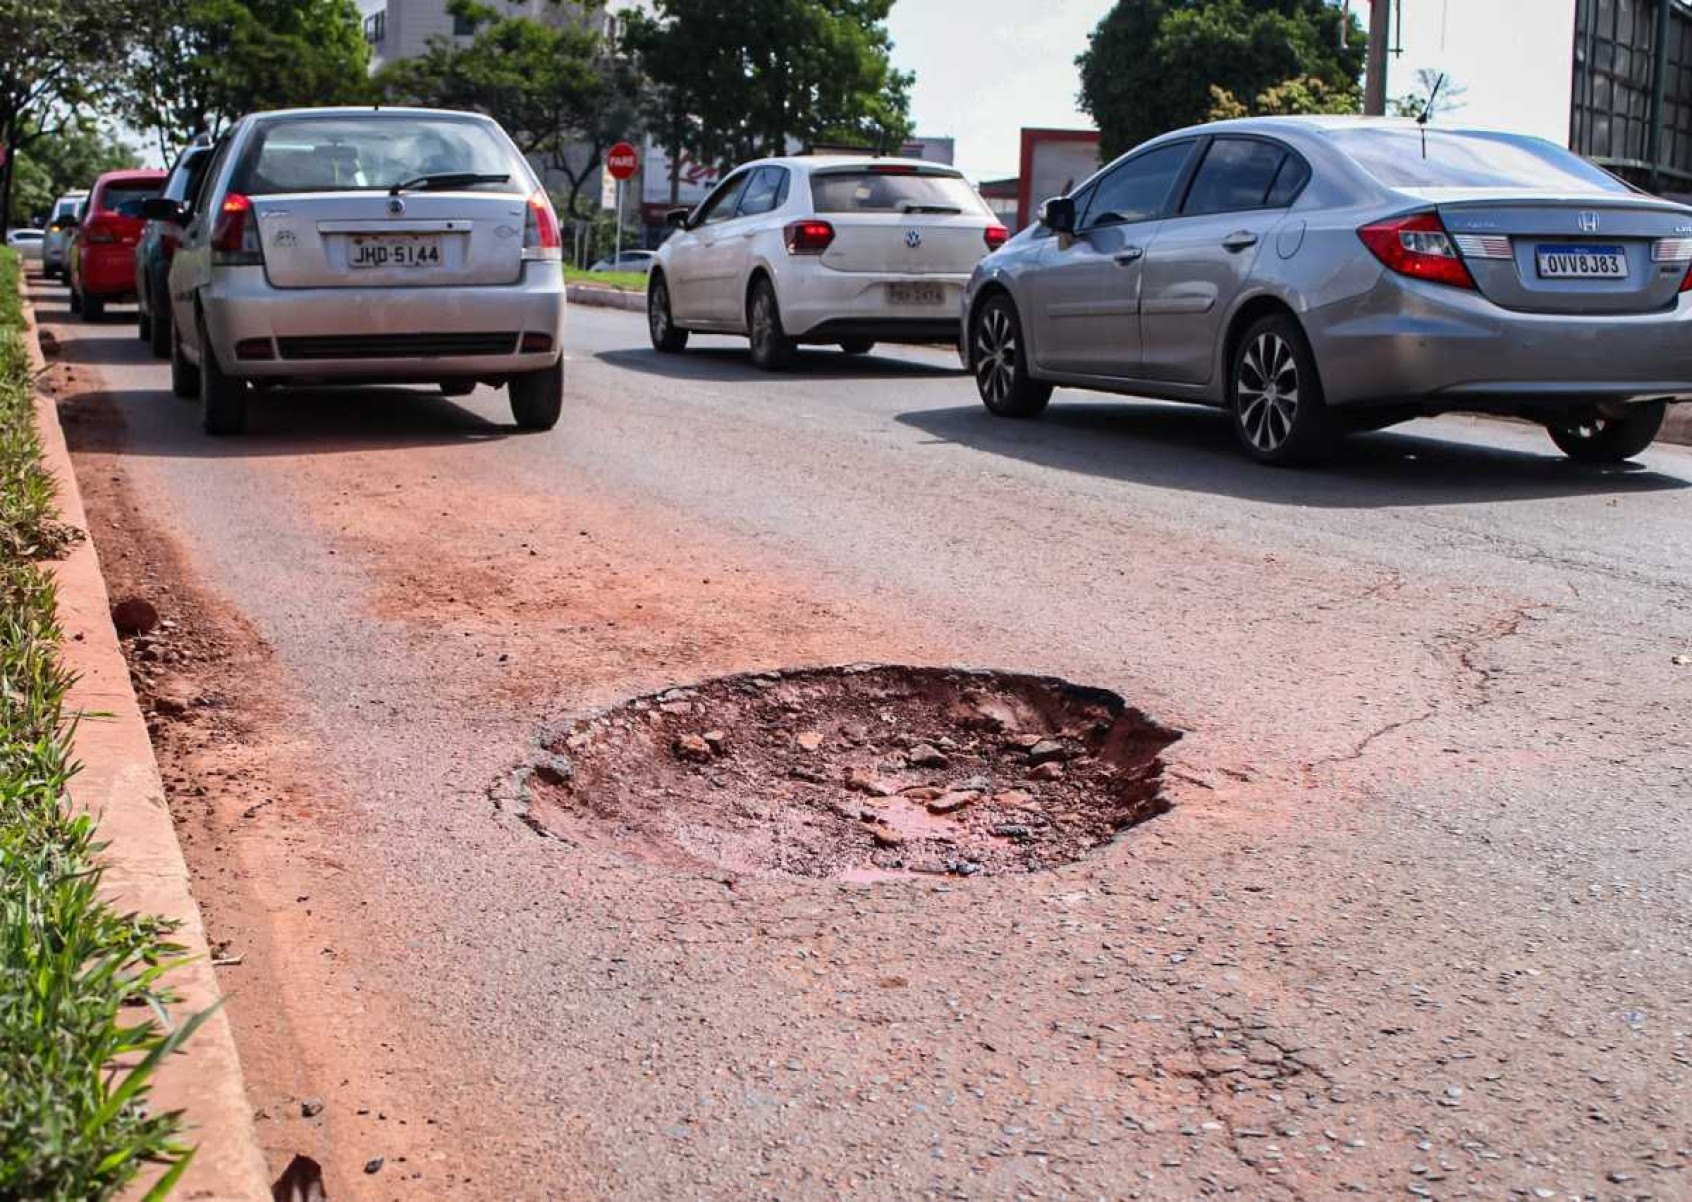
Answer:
[(72, 158), (736, 82), (1416, 102), (197, 65), (1150, 64), (560, 92), (54, 57), (1286, 99)]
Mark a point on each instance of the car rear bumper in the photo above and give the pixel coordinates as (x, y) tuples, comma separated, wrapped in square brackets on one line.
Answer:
[(107, 271), (819, 305), (397, 334), (1441, 348)]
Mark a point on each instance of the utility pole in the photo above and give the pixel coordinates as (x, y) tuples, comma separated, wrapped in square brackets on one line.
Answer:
[(1375, 73)]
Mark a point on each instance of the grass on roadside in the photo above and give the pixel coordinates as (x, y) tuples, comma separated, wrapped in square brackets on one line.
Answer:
[(627, 281), (82, 1020)]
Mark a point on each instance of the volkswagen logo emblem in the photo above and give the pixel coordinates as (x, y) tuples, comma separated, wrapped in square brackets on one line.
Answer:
[(396, 206), (913, 239), (1589, 223)]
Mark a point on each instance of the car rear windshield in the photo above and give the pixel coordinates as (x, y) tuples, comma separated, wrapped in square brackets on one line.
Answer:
[(125, 198), (1398, 159), (371, 151), (873, 191)]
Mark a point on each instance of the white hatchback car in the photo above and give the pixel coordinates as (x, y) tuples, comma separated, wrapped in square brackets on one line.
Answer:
[(819, 250)]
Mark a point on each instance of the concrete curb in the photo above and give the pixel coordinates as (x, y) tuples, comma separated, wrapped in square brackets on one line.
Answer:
[(145, 871), (596, 296)]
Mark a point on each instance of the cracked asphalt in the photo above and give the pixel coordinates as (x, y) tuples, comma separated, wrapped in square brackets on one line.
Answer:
[(1416, 925)]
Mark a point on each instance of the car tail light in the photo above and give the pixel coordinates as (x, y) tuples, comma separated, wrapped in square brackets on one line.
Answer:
[(97, 232), (541, 237), (997, 236), (809, 237), (1675, 251), (1417, 246), (234, 236), (892, 169)]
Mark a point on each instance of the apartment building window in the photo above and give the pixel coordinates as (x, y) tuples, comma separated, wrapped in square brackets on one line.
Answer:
[(376, 27)]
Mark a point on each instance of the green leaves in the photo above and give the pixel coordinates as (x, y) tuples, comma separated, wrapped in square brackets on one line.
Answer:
[(1152, 65), (75, 1068), (736, 82)]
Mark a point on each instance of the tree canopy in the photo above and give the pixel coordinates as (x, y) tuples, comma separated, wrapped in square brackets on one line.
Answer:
[(1150, 65), (736, 82), (72, 158)]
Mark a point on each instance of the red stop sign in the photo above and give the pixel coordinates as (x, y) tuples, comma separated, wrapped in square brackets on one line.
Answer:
[(622, 161)]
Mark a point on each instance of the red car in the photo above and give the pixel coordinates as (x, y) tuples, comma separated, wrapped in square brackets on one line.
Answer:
[(102, 252)]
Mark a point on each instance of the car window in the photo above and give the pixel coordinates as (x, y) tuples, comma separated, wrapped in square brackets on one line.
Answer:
[(125, 198), (894, 188), (1236, 175), (208, 179), (720, 205), (765, 192), (1138, 189), (1411, 157), (185, 180), (372, 152), (1289, 182)]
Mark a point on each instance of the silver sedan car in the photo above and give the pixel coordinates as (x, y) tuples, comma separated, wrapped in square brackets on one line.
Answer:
[(1313, 275), (353, 246)]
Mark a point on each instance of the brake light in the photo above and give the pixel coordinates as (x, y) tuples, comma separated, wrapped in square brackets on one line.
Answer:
[(541, 236), (234, 236), (1675, 251), (98, 232), (1417, 246), (892, 169), (996, 236), (809, 237)]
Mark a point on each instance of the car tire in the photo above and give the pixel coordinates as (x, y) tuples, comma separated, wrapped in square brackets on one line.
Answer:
[(1610, 439), (999, 363), (457, 388), (858, 346), (144, 326), (1275, 396), (93, 308), (537, 397), (772, 349), (75, 302), (223, 398), (184, 376), (667, 337), (158, 332)]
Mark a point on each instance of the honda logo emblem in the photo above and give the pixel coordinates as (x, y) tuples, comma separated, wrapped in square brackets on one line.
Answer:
[(1589, 223), (913, 239)]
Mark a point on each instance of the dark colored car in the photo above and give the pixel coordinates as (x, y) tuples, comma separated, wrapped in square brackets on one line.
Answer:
[(159, 240), (102, 252)]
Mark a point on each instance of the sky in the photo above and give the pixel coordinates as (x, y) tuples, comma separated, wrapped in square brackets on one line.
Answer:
[(986, 68)]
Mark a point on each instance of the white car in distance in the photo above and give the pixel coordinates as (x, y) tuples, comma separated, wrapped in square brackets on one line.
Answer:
[(822, 250)]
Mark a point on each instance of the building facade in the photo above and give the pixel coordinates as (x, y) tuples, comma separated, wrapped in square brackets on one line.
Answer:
[(400, 29), (1633, 90)]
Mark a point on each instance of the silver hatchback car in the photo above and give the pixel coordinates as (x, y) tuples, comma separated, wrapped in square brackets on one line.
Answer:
[(1317, 274), (366, 246)]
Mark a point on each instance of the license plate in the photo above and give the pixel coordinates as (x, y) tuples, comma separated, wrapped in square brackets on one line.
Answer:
[(1582, 263), (394, 250), (916, 294)]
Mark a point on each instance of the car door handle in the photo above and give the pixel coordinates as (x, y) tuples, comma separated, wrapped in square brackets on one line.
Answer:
[(1244, 240), (1128, 255)]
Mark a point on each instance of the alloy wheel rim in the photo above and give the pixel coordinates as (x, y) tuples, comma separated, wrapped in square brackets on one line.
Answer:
[(995, 355), (1266, 392), (659, 312), (763, 322)]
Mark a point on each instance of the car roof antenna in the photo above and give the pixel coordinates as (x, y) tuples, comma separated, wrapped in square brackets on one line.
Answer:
[(1426, 114)]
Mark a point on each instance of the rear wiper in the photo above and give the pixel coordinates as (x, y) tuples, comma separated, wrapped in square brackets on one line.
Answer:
[(445, 181), (912, 207)]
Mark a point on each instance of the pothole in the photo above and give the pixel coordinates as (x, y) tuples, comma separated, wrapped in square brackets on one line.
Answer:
[(856, 773)]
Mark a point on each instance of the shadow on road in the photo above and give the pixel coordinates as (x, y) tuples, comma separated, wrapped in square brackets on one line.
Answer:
[(1192, 449), (734, 363)]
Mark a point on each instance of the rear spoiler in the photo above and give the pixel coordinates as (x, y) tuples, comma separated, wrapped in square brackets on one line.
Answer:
[(938, 169)]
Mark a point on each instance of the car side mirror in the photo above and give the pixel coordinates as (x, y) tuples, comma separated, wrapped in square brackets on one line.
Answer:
[(1058, 214), (158, 208), (677, 218)]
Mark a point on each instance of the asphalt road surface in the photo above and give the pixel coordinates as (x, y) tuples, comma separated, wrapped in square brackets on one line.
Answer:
[(1417, 923)]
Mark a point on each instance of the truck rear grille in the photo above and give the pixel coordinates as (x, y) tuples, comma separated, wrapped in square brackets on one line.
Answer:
[(397, 346)]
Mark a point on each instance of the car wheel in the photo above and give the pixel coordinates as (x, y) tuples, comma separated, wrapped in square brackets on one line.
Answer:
[(1275, 397), (998, 358), (666, 336), (858, 346), (772, 349), (184, 376), (1610, 439), (93, 308), (144, 326), (537, 397), (457, 387), (158, 333), (223, 398), (75, 302)]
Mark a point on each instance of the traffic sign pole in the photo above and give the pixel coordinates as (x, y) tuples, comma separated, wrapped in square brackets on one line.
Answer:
[(622, 161), (617, 255)]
